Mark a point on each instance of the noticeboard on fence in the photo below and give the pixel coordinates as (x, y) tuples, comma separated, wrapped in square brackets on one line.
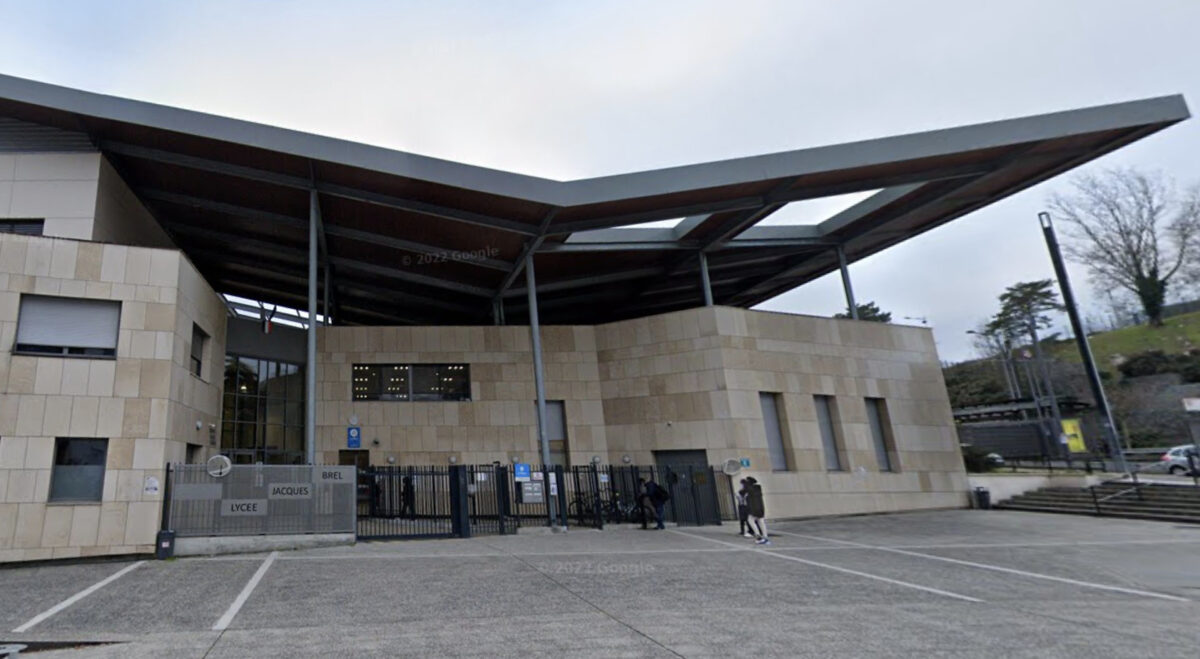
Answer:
[(262, 500)]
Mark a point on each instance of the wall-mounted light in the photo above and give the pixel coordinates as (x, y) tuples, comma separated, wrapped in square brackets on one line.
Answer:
[(454, 459), (354, 419), (626, 459), (391, 459), (199, 424), (515, 457), (595, 459)]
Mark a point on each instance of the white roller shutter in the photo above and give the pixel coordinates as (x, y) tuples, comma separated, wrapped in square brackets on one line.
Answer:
[(68, 322)]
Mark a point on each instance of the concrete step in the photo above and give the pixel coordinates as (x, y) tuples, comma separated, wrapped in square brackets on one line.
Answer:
[(1073, 510), (1120, 501)]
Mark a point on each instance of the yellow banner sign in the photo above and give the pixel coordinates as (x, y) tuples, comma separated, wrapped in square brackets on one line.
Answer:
[(1073, 429)]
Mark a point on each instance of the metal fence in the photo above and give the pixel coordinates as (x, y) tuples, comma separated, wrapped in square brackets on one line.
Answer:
[(411, 502), (259, 500)]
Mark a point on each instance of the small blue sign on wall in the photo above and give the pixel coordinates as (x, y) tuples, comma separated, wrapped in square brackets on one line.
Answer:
[(745, 462), (353, 437), (521, 472)]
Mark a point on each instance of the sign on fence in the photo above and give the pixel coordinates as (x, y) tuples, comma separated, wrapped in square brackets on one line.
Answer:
[(261, 500)]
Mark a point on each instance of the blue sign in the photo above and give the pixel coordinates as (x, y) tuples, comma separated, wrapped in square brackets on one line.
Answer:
[(353, 437), (521, 472), (745, 462)]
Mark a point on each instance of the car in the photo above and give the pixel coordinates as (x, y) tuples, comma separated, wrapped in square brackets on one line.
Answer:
[(994, 459), (1175, 459)]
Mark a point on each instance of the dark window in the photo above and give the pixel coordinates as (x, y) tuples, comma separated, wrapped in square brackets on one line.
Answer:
[(773, 426), (881, 436), (262, 412), (78, 473), (67, 326), (411, 382), (24, 227), (199, 339), (826, 422)]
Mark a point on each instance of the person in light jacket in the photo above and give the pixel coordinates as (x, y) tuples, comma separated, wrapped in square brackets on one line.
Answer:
[(743, 511), (757, 511)]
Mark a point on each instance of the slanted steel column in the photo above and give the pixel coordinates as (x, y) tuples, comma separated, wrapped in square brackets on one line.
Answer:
[(310, 366), (705, 281), (535, 333), (841, 253), (325, 302)]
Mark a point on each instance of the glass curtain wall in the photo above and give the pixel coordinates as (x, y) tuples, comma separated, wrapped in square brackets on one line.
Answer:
[(262, 416)]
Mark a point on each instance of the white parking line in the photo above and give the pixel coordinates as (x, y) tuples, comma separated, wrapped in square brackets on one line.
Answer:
[(995, 568), (75, 598), (245, 594), (876, 577)]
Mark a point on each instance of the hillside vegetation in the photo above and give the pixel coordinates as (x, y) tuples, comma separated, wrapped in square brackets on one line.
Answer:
[(1177, 336)]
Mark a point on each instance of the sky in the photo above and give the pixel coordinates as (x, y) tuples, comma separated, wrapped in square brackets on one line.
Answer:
[(566, 90)]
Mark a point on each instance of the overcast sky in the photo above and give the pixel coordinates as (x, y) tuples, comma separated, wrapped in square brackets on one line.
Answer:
[(572, 89)]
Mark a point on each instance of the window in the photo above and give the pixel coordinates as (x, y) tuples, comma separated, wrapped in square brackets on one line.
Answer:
[(199, 341), (78, 473), (826, 415), (67, 326), (411, 382), (24, 227), (262, 414), (556, 432), (880, 435), (771, 424)]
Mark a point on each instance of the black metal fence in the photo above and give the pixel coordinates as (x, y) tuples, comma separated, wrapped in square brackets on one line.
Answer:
[(411, 502)]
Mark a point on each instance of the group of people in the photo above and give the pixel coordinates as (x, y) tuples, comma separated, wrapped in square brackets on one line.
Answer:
[(752, 513)]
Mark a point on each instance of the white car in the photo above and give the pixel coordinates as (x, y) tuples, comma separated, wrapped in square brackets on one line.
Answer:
[(1175, 460)]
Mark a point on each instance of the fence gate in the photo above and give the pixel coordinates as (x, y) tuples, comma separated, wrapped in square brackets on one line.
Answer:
[(404, 502)]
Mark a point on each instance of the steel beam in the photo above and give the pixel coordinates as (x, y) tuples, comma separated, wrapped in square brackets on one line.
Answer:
[(527, 250), (704, 281), (332, 230), (535, 332), (286, 180), (310, 366), (845, 268)]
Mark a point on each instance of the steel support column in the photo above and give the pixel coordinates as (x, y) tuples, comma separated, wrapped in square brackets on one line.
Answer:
[(845, 268), (310, 366), (325, 301), (705, 281), (538, 378)]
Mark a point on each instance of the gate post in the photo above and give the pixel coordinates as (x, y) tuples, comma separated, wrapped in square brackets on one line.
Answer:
[(460, 520), (562, 496), (596, 505), (501, 487)]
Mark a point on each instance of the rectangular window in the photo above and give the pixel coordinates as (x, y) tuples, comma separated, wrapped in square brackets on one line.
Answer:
[(199, 341), (411, 382), (78, 473), (826, 418), (774, 428), (67, 326), (23, 227), (556, 432), (880, 435)]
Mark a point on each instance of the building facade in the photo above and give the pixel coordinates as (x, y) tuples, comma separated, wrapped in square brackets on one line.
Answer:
[(145, 250)]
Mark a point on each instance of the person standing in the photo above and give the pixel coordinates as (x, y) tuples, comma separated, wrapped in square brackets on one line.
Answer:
[(408, 498), (757, 511), (743, 511), (657, 496)]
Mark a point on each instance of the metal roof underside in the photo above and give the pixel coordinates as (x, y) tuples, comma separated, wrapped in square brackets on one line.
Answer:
[(412, 239)]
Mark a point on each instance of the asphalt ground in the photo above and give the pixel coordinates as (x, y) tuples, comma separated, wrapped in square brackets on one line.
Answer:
[(933, 584)]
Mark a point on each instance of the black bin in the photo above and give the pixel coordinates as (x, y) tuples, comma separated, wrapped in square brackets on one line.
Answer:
[(164, 545), (983, 498)]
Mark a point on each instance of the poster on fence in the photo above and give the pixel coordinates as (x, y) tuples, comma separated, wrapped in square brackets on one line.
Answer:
[(1074, 432)]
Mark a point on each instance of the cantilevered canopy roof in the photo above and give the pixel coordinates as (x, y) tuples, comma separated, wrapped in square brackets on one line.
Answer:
[(413, 239)]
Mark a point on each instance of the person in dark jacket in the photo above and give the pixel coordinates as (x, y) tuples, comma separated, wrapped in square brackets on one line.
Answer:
[(654, 497), (743, 512), (757, 511), (407, 498)]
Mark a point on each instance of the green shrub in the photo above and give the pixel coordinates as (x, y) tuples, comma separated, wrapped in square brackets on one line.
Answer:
[(1151, 362)]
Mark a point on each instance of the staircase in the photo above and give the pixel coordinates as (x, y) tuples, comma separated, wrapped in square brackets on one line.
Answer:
[(1172, 503)]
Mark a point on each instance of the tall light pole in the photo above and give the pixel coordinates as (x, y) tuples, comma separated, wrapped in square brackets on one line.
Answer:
[(1085, 349)]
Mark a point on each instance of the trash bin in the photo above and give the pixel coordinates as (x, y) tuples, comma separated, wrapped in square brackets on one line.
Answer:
[(164, 545), (983, 498)]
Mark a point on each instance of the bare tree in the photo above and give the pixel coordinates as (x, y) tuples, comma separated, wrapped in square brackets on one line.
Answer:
[(1132, 231)]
